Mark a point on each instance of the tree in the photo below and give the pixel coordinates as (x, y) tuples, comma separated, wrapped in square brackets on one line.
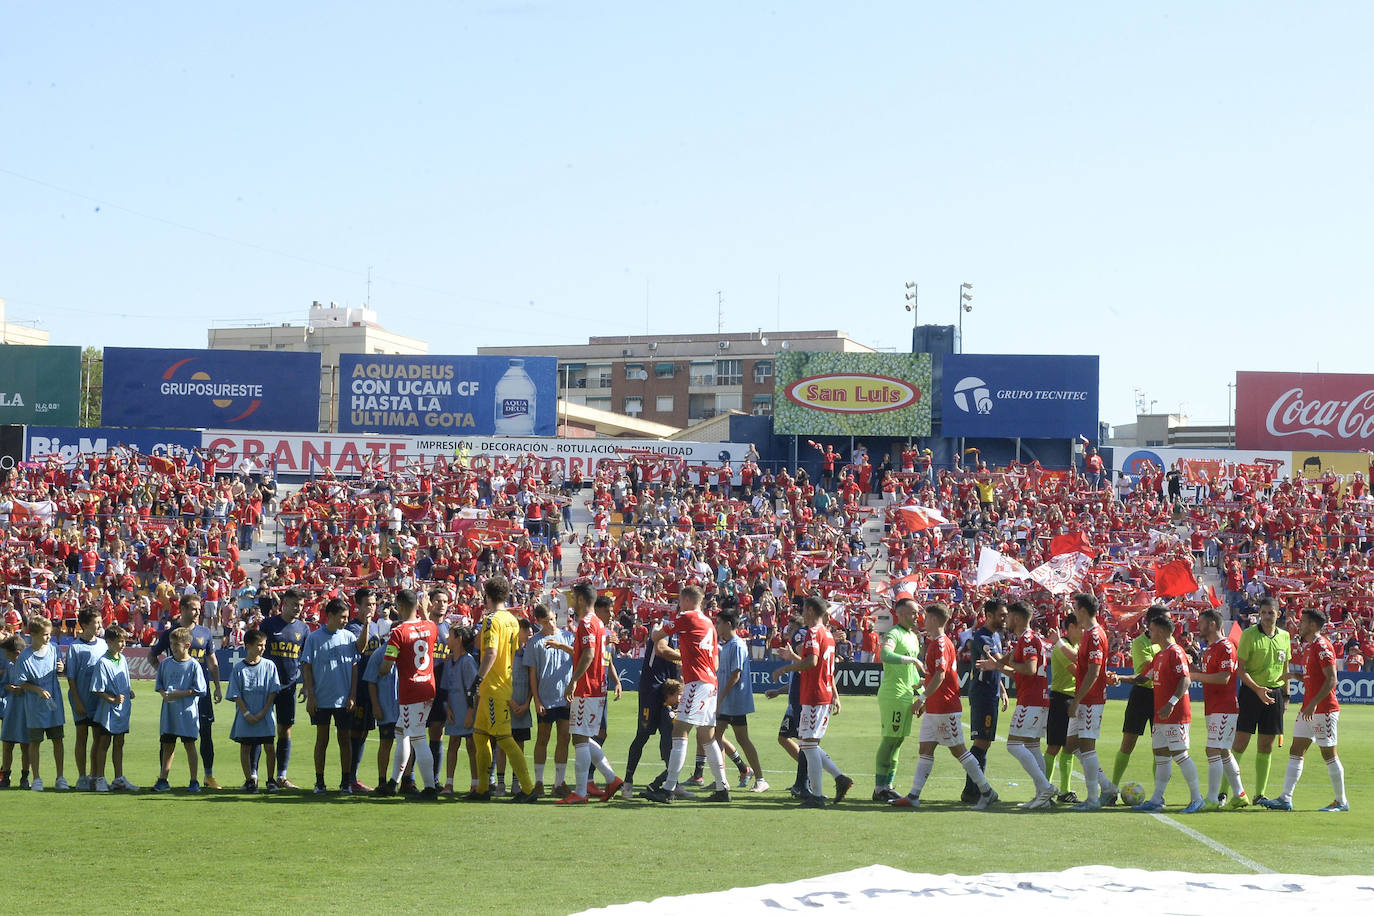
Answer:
[(92, 381)]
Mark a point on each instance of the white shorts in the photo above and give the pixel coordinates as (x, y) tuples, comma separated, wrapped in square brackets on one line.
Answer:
[(943, 728), (698, 703), (1029, 721), (1321, 729), (1086, 722), (814, 721), (584, 716), (1174, 737), (412, 720), (1221, 729)]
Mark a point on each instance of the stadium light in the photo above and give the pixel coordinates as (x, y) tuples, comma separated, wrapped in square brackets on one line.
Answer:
[(965, 305), (911, 306)]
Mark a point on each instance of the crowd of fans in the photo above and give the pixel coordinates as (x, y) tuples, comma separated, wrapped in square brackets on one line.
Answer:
[(128, 534)]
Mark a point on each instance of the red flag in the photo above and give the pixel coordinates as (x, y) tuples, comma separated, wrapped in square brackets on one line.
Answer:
[(918, 518), (1212, 598), (1070, 542), (1234, 634), (1174, 578), (161, 465)]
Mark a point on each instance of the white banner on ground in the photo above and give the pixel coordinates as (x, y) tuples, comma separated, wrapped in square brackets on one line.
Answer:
[(1093, 888)]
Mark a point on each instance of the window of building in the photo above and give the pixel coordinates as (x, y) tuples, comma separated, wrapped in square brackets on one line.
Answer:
[(599, 376), (634, 406), (762, 405), (599, 403), (665, 370), (703, 373), (635, 372), (763, 371), (664, 403), (729, 372), (726, 402), (701, 406)]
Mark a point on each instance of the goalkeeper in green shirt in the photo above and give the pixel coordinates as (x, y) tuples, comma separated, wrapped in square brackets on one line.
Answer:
[(902, 673)]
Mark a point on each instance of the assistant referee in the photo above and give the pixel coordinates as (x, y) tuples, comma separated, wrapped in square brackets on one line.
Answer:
[(1262, 667)]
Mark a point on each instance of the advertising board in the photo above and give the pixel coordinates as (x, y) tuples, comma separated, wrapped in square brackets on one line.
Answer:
[(40, 385), (1318, 411), (463, 395), (1033, 397), (235, 389), (70, 443), (852, 394)]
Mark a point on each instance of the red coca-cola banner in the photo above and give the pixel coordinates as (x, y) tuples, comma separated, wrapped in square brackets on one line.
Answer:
[(1304, 410)]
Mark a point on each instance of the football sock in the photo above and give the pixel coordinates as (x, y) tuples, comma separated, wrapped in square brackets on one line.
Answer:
[(539, 773), (717, 761), (885, 766), (424, 761), (436, 753), (359, 743), (560, 772), (1119, 765), (980, 756), (1188, 767), (283, 756), (641, 738), (1039, 760), (675, 761), (1291, 777), (1091, 772), (599, 761), (1231, 767), (802, 779), (826, 763), (254, 756), (519, 766), (484, 765), (1337, 774), (924, 764), (1065, 770), (1023, 756), (815, 769), (700, 767), (738, 761), (1163, 768), (207, 749), (1262, 771), (582, 764), (400, 756), (1214, 769), (970, 765)]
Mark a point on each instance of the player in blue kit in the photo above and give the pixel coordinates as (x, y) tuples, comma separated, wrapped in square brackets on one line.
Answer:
[(253, 686), (82, 655), (654, 717), (37, 673), (386, 709), (112, 694), (329, 673), (987, 690), (286, 633), (202, 650), (181, 682), (372, 627)]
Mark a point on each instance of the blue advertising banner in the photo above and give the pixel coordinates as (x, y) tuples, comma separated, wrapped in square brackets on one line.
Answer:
[(70, 443), (1032, 397), (466, 395), (222, 389)]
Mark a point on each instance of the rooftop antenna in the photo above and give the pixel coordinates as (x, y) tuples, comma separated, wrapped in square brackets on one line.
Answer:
[(368, 303), (720, 312)]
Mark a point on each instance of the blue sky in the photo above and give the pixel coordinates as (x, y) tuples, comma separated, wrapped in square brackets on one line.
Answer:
[(1182, 188)]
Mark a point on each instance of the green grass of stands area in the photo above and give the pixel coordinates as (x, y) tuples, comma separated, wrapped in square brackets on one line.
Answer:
[(296, 852)]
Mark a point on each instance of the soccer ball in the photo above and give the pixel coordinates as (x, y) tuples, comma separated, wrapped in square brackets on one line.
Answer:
[(1132, 793)]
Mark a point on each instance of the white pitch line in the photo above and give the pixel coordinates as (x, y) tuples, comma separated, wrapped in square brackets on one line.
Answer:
[(1212, 844)]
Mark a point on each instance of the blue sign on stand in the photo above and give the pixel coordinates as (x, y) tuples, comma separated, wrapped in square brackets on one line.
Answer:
[(1009, 397)]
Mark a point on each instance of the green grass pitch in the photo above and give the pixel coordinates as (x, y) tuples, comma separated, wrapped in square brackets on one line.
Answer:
[(294, 852)]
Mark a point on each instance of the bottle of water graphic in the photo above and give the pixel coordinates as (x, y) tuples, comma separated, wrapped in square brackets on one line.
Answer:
[(515, 402)]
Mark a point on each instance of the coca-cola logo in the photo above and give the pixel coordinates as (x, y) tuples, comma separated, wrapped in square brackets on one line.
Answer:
[(1290, 415)]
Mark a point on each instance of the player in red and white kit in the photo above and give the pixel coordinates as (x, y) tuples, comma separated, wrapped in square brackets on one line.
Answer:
[(1090, 698), (410, 650), (1028, 663), (586, 695), (698, 647), (1318, 717), (938, 708), (1218, 678), (816, 668), (1173, 712)]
